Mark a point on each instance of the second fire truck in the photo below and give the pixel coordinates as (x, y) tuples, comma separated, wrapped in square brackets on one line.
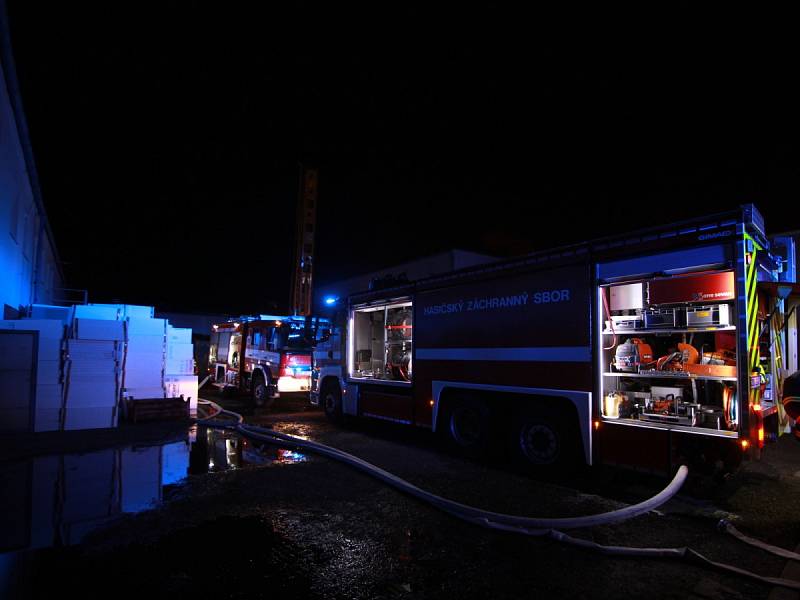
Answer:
[(262, 356)]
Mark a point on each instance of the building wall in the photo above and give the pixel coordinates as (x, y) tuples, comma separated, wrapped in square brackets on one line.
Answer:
[(29, 268)]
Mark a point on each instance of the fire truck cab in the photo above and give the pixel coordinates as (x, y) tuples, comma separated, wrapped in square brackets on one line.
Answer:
[(262, 355)]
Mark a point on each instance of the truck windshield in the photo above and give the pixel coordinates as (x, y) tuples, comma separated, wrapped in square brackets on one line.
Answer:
[(292, 337)]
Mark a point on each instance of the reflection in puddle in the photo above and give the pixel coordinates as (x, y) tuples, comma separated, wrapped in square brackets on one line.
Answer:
[(300, 430), (222, 450), (57, 500)]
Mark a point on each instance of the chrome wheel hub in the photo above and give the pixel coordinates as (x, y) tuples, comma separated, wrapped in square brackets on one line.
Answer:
[(539, 443), (465, 426)]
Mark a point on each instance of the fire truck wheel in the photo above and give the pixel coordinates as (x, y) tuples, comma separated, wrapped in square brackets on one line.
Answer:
[(332, 402), (261, 395), (542, 442), (468, 427)]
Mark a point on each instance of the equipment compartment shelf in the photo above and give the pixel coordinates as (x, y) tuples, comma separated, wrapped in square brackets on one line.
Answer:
[(671, 427), (681, 330), (666, 375)]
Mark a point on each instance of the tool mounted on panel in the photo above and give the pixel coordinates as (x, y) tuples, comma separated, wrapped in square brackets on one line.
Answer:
[(633, 355)]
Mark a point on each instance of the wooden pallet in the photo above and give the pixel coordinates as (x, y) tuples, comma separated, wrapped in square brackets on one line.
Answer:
[(156, 409)]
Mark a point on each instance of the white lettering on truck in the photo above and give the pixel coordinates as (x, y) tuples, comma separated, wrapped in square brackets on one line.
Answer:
[(495, 302), (444, 308), (551, 296)]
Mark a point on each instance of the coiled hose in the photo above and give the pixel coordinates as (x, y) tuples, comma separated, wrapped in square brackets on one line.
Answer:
[(532, 526)]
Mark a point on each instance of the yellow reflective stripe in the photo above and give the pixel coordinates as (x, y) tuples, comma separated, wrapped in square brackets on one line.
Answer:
[(752, 296), (753, 332), (756, 245), (752, 307), (752, 328), (751, 291)]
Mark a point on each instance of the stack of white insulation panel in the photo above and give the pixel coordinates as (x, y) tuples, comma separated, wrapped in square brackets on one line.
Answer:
[(144, 358), (92, 373), (179, 379), (90, 358)]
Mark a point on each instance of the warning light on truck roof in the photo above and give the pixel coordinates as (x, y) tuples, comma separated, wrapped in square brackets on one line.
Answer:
[(330, 300)]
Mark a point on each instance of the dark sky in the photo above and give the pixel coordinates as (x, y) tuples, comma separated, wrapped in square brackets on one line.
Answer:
[(167, 139)]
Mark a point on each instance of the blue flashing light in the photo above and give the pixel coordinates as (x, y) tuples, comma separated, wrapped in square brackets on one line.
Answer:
[(330, 300)]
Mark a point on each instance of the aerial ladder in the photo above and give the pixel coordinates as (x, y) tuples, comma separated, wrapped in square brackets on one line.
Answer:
[(303, 271)]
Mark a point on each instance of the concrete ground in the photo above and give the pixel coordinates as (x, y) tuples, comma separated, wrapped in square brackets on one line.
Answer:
[(316, 528)]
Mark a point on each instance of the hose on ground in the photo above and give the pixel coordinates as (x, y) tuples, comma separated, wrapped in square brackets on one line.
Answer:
[(532, 526), (727, 527), (208, 420), (475, 515)]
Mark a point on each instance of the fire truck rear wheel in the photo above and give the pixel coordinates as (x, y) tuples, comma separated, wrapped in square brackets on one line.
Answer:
[(468, 427), (261, 395), (331, 398), (543, 442)]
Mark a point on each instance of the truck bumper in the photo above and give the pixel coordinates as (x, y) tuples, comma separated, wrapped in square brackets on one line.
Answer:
[(294, 384)]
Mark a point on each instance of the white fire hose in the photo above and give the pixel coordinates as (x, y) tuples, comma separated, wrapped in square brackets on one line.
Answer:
[(517, 524)]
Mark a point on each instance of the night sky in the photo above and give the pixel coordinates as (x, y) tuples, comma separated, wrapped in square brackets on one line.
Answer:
[(168, 137)]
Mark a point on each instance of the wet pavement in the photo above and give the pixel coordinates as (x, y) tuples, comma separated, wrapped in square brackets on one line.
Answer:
[(207, 513)]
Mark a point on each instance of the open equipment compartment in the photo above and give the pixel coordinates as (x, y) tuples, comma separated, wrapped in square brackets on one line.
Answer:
[(668, 352), (382, 341)]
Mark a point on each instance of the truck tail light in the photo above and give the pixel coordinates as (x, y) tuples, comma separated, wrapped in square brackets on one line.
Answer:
[(283, 370), (760, 422)]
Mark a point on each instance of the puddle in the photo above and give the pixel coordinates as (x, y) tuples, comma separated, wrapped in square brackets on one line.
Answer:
[(56, 500), (299, 430), (222, 450)]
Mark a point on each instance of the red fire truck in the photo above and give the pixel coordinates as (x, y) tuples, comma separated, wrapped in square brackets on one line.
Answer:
[(645, 349), (263, 355)]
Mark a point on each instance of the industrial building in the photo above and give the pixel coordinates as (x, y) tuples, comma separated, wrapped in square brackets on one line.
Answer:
[(29, 262), (436, 264)]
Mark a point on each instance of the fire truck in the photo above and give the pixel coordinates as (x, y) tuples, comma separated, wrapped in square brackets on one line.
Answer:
[(263, 355), (645, 349)]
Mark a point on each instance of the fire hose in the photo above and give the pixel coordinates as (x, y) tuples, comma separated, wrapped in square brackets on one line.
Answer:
[(541, 527)]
